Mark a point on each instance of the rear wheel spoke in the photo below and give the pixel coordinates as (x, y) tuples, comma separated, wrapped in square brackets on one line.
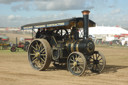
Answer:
[(73, 67), (33, 54), (35, 59), (42, 59), (37, 45), (33, 47), (34, 51), (100, 59)]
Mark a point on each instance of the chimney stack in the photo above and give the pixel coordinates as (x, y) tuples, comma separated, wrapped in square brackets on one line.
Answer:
[(85, 23)]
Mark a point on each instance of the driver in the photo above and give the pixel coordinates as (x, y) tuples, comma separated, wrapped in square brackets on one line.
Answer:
[(38, 34), (43, 31), (75, 33)]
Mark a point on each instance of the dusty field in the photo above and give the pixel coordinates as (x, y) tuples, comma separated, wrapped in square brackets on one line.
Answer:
[(15, 70)]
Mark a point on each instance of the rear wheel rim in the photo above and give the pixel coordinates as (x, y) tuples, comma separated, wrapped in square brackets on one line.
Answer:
[(38, 55)]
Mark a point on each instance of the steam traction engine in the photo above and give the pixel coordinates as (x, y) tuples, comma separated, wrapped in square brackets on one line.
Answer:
[(59, 42)]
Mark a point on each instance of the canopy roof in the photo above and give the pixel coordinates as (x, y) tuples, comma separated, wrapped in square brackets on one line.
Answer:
[(65, 23)]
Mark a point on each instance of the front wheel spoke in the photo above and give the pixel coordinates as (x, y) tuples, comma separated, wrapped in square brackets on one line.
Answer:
[(90, 65), (99, 67), (94, 67), (100, 59), (100, 62), (98, 56), (93, 57)]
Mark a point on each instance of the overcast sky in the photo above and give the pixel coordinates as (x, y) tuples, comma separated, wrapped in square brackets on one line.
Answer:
[(14, 13)]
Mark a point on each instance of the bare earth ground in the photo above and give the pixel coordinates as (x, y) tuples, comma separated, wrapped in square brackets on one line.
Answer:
[(16, 70)]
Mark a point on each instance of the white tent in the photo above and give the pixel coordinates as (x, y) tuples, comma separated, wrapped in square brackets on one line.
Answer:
[(107, 30)]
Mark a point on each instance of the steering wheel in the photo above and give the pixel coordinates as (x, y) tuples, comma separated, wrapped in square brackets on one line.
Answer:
[(62, 32)]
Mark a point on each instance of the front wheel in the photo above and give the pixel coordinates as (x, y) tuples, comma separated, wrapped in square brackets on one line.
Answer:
[(97, 62), (76, 63)]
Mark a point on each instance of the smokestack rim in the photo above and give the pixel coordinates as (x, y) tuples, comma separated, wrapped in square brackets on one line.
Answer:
[(85, 12)]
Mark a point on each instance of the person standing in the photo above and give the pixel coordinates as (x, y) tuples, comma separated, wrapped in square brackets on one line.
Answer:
[(38, 34)]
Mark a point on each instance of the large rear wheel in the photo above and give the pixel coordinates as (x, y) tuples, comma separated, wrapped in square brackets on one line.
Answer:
[(39, 54)]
